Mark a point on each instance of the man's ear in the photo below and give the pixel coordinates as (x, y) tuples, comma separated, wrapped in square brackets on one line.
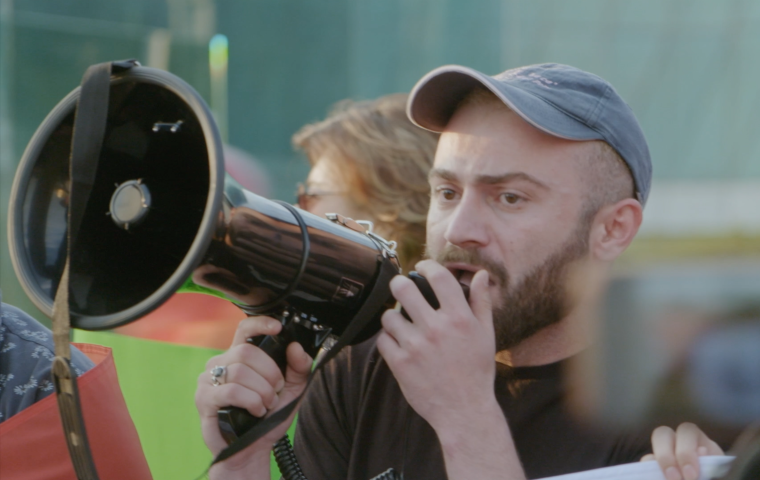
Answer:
[(613, 229)]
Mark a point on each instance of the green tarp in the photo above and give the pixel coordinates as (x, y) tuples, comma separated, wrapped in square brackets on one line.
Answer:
[(158, 380)]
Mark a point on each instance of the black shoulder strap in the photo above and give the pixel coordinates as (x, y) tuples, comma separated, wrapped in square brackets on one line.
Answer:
[(86, 143)]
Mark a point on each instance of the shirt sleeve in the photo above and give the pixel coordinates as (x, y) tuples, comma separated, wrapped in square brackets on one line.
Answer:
[(26, 356)]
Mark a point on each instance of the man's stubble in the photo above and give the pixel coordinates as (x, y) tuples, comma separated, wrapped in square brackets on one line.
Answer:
[(539, 299)]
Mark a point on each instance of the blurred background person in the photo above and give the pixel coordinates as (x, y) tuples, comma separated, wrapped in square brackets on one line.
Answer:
[(369, 162), (32, 442), (26, 361)]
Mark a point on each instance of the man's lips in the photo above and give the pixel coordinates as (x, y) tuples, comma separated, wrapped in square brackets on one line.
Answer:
[(464, 272)]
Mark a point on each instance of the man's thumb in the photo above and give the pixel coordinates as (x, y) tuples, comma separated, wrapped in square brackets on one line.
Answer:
[(299, 364)]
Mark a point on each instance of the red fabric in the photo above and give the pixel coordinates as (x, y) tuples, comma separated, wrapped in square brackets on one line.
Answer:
[(32, 444), (192, 319)]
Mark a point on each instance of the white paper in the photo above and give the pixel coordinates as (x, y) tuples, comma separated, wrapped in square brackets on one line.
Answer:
[(710, 467)]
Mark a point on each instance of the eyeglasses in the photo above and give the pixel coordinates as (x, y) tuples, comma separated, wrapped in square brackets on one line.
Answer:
[(305, 196)]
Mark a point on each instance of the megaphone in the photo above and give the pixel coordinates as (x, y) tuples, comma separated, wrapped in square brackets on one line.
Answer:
[(162, 215)]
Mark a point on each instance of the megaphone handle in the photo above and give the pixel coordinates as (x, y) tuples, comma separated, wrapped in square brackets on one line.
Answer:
[(275, 346), (235, 421), (310, 337), (428, 293)]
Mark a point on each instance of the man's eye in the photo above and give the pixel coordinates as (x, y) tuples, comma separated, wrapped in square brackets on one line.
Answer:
[(510, 198), (447, 193)]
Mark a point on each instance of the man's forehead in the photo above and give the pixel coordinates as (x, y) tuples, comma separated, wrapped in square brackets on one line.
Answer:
[(467, 153), (464, 157)]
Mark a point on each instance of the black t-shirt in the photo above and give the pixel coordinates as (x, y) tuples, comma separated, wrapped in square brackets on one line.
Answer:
[(355, 423)]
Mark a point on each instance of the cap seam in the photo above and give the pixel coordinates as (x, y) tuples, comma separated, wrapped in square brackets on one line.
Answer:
[(564, 112), (485, 80), (607, 135), (598, 107), (604, 133)]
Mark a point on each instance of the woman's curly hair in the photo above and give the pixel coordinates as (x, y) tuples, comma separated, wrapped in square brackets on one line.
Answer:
[(385, 160)]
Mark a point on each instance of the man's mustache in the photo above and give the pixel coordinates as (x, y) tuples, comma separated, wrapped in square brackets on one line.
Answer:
[(454, 254)]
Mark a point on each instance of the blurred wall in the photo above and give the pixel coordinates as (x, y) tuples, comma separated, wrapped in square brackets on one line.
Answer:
[(687, 68)]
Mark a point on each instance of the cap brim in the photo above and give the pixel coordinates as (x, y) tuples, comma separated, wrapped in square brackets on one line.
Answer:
[(437, 95)]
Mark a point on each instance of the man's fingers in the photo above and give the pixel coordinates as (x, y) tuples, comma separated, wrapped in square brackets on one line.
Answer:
[(242, 397), (253, 327), (396, 326), (212, 436), (389, 348), (410, 297), (708, 447), (447, 289), (250, 379), (687, 441), (664, 447), (691, 443), (252, 357), (210, 399), (678, 451), (480, 298)]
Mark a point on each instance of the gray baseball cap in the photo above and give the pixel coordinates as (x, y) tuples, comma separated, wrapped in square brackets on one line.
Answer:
[(560, 100)]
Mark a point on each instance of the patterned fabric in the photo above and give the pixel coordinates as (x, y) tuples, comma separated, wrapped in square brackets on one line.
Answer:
[(26, 355)]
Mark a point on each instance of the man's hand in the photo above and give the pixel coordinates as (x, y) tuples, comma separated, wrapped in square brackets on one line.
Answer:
[(444, 363), (678, 451), (254, 382), (443, 359)]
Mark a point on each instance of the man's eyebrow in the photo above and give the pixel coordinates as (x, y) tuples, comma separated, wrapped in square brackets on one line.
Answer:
[(448, 175), (509, 177), (443, 174)]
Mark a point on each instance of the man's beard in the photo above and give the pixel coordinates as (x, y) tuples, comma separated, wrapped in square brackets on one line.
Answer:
[(539, 300)]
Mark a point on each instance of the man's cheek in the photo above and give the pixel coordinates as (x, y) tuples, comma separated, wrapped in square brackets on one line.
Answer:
[(497, 297), (436, 218), (435, 239)]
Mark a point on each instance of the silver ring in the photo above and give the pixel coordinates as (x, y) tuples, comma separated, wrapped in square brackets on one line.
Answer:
[(218, 375)]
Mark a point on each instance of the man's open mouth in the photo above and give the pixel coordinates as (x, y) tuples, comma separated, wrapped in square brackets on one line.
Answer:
[(463, 273)]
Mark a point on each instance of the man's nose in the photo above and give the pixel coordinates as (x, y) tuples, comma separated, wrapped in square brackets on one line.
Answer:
[(468, 224)]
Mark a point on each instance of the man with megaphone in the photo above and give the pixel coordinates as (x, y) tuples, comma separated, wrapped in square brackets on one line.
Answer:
[(120, 199), (539, 170)]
